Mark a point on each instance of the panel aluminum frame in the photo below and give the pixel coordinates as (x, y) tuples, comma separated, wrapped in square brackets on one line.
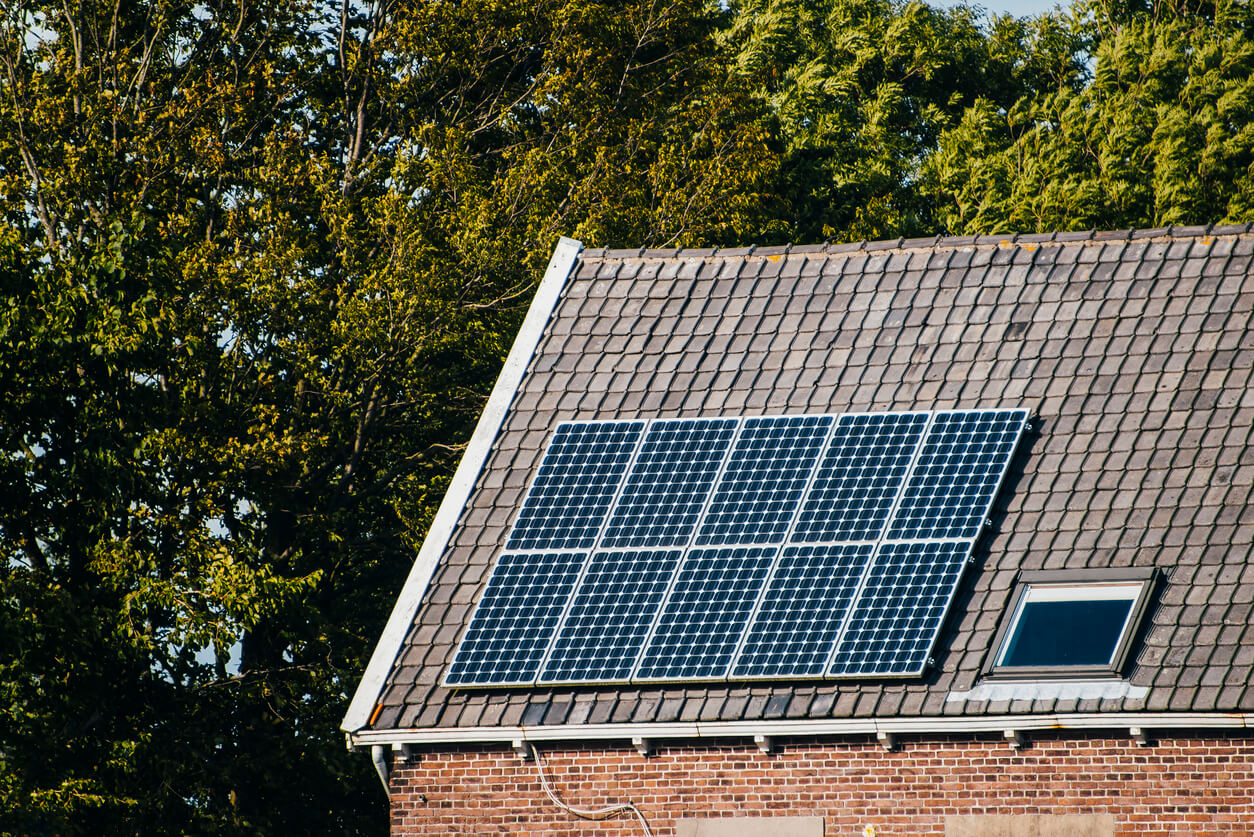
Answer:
[(657, 613)]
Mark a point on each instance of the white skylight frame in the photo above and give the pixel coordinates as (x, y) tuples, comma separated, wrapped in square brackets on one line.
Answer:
[(1131, 584)]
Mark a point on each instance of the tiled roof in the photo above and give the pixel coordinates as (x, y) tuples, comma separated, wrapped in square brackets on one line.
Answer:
[(1134, 350)]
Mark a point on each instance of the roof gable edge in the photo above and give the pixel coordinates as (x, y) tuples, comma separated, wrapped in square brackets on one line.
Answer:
[(388, 647)]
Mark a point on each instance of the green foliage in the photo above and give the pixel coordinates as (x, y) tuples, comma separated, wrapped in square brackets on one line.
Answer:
[(262, 262), (899, 119), (864, 88), (1161, 134)]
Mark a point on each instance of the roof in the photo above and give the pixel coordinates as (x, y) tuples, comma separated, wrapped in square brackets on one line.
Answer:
[(1134, 350)]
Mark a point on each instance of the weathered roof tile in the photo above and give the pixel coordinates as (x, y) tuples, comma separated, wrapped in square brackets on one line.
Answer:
[(1134, 347)]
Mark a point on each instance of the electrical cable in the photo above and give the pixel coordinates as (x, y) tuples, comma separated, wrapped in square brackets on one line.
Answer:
[(585, 813)]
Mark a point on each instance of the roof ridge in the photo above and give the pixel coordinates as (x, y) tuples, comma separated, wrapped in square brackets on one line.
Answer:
[(938, 242)]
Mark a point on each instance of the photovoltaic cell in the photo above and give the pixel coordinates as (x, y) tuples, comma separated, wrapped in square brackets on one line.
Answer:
[(574, 486), (960, 466), (516, 618), (668, 484), (897, 616), (662, 534), (859, 477), (706, 613), (758, 493), (610, 613), (802, 610)]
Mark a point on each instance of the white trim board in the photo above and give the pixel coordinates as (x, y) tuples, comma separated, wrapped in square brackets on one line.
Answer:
[(804, 728), (550, 290)]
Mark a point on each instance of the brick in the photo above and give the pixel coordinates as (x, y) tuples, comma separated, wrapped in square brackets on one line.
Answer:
[(1185, 782)]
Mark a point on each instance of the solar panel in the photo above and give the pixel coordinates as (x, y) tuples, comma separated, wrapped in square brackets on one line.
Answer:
[(859, 477), (571, 493), (706, 613), (757, 495), (610, 613), (669, 482), (960, 466), (802, 610), (720, 548), (900, 610), (525, 596)]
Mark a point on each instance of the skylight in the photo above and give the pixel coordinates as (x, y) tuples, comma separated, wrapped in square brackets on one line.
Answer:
[(1071, 623)]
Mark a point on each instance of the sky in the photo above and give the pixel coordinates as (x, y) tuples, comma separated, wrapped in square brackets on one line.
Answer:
[(1021, 8), (1018, 8)]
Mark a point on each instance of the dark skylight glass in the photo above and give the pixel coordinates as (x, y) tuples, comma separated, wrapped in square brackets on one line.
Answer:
[(1067, 633)]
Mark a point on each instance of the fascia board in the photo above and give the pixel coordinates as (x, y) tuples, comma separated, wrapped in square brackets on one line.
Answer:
[(370, 689), (802, 729)]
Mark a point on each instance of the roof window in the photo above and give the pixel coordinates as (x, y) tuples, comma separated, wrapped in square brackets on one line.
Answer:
[(1076, 623)]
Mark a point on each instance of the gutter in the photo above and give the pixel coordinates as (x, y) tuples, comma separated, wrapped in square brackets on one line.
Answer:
[(1011, 726), (365, 701)]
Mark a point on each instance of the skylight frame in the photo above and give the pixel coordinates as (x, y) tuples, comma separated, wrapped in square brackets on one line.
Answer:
[(1142, 580)]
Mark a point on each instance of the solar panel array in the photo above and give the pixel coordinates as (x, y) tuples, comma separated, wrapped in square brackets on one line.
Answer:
[(721, 548)]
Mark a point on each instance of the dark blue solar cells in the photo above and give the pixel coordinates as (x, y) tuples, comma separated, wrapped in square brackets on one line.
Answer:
[(961, 464), (706, 613), (669, 482), (757, 495), (898, 615), (687, 581), (802, 611), (516, 618), (610, 613), (571, 494), (859, 477)]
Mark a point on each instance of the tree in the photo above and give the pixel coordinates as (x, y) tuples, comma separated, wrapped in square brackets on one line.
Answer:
[(261, 264), (261, 261), (1161, 134), (864, 89)]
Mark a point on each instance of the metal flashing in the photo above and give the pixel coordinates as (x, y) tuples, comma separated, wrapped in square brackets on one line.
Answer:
[(1051, 690), (467, 474)]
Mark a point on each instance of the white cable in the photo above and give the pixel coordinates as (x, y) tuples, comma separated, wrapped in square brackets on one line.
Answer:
[(584, 813)]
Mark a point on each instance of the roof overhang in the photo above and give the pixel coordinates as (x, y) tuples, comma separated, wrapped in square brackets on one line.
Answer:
[(1133, 722)]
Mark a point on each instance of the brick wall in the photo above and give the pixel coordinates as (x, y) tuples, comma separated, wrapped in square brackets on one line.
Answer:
[(1180, 785)]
